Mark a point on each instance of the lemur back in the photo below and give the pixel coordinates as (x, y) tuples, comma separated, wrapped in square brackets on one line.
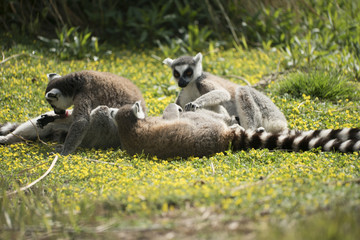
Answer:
[(204, 90), (86, 90), (199, 133), (192, 134)]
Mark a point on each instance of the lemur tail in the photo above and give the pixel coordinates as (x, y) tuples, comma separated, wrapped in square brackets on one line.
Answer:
[(342, 140), (341, 134)]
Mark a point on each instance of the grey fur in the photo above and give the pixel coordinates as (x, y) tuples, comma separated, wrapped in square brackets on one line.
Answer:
[(204, 90), (177, 133), (102, 132), (202, 133), (86, 90)]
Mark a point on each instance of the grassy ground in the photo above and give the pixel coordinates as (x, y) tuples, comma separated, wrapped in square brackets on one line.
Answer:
[(255, 194)]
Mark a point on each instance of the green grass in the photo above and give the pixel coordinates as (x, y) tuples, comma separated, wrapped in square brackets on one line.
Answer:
[(321, 84), (253, 194)]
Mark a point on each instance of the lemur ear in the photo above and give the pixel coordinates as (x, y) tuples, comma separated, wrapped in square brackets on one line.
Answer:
[(138, 111), (53, 94), (52, 76), (198, 57), (168, 61)]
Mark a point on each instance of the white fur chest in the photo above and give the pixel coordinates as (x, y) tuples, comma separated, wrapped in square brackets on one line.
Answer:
[(188, 94)]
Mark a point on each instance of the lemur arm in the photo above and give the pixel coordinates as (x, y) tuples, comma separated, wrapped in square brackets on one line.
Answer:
[(211, 95), (210, 99), (47, 118), (80, 125)]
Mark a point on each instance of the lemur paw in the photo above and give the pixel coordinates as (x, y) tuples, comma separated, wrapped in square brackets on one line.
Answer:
[(44, 120), (260, 130), (192, 107)]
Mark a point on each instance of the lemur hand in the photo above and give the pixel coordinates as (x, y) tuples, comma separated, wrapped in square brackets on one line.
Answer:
[(44, 120), (191, 107)]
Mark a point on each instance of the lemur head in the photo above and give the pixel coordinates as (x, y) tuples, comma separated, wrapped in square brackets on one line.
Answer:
[(138, 111), (185, 69), (172, 111), (58, 101), (127, 114)]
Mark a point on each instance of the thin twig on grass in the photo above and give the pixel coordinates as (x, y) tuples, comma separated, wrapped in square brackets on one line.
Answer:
[(212, 168), (26, 140), (18, 136), (24, 170), (103, 162), (37, 180), (15, 56), (37, 133), (239, 77), (232, 29)]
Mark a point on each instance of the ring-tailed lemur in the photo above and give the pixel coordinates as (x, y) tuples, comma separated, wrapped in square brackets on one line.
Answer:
[(102, 131), (176, 133), (201, 133), (86, 90), (204, 90)]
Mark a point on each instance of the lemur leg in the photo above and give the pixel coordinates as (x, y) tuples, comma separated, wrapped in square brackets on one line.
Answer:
[(212, 98), (248, 111), (77, 132)]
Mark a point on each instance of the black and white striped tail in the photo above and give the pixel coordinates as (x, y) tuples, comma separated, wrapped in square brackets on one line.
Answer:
[(341, 134), (342, 140)]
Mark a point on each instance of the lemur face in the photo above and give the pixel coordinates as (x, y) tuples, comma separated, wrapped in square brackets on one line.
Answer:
[(58, 101), (183, 74), (185, 69)]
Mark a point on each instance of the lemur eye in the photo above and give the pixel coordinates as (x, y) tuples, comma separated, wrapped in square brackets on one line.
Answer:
[(176, 74), (189, 72)]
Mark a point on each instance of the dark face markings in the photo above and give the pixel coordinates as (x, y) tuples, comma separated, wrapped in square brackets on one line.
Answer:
[(176, 74), (188, 72)]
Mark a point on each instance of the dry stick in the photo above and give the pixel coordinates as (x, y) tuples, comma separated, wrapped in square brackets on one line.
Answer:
[(28, 169), (37, 133), (26, 140), (212, 168), (239, 77), (228, 21), (58, 15), (37, 180), (98, 161), (18, 136), (15, 56)]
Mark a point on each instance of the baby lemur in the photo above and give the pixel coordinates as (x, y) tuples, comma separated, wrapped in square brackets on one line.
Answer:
[(86, 90), (204, 90), (202, 133)]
